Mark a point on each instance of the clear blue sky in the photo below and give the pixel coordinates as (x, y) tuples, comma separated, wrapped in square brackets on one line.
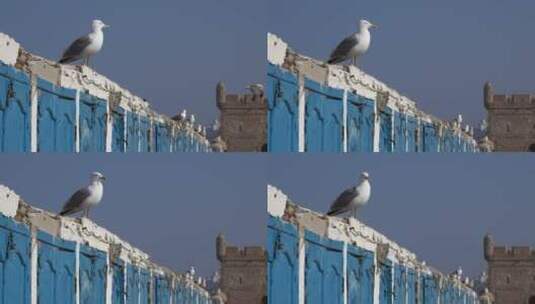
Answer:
[(439, 53), (438, 207), (172, 207), (172, 53)]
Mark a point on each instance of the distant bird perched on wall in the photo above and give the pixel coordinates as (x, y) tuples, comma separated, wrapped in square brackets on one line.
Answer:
[(353, 46), (352, 198), (85, 198), (85, 46), (256, 89)]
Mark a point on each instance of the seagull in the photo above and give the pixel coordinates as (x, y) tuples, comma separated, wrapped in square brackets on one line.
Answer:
[(85, 46), (256, 89), (352, 198), (353, 46), (85, 198)]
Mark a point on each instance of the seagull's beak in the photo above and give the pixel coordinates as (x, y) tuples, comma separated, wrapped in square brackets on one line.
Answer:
[(373, 26), (103, 178), (106, 26)]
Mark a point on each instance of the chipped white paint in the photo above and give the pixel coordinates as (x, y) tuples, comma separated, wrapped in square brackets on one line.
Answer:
[(125, 281), (376, 128), (33, 112), (301, 113), (125, 131), (9, 49), (77, 273), (392, 132), (77, 123), (34, 254), (109, 127), (276, 201), (344, 265), (301, 273), (9, 201), (344, 120), (276, 49), (109, 279), (376, 280)]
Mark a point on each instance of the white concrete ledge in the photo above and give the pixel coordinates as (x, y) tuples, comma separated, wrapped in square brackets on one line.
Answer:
[(9, 49)]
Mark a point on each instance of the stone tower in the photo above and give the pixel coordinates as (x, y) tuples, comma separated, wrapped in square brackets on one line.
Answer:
[(511, 273), (243, 120), (511, 120), (243, 273)]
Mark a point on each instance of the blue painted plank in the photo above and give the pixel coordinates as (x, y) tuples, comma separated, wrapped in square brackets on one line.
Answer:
[(162, 290), (92, 124), (118, 139), (14, 262), (282, 251), (400, 276), (92, 276), (145, 287), (56, 270), (360, 124), (385, 142), (400, 136), (385, 284), (132, 284), (118, 291), (14, 110), (282, 110), (133, 132), (56, 118), (163, 137)]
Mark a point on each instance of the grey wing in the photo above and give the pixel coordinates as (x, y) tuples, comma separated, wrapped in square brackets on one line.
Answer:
[(74, 204), (342, 50), (342, 202), (74, 51)]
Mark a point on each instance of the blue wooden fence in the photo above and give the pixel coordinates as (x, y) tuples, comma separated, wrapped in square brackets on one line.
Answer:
[(324, 273), (57, 116), (57, 270), (324, 121)]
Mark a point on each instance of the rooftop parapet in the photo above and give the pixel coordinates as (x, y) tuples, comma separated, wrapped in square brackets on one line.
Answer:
[(86, 232), (349, 78), (350, 231)]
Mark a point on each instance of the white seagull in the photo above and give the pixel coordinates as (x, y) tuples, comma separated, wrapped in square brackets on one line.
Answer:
[(352, 198), (85, 46), (353, 46), (85, 198)]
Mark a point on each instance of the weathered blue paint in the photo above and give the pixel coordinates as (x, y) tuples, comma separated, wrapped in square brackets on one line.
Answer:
[(400, 278), (162, 288), (430, 290), (323, 273), (282, 252), (14, 262), (133, 132), (118, 140), (324, 121), (360, 124), (430, 142), (14, 110), (118, 291), (56, 118), (56, 270), (145, 287), (385, 285), (162, 138), (92, 123), (385, 142), (400, 132), (132, 284), (282, 115), (92, 276)]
